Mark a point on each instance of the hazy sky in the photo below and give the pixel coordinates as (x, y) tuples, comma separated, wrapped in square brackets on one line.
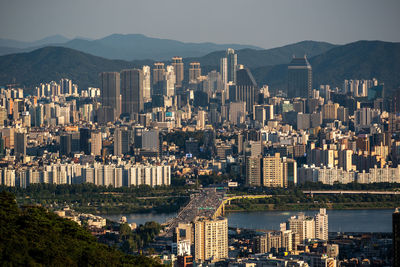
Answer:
[(266, 23)]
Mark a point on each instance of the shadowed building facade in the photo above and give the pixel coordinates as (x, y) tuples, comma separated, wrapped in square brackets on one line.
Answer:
[(132, 92), (110, 93), (299, 83)]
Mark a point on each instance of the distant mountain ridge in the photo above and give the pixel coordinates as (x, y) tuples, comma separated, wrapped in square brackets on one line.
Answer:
[(362, 60), (123, 46)]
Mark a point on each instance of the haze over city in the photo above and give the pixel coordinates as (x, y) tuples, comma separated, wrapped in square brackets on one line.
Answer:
[(264, 23), (200, 133)]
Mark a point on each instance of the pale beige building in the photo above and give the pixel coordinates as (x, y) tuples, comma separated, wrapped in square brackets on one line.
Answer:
[(211, 239), (272, 174)]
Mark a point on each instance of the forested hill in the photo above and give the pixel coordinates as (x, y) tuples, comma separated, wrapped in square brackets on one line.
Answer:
[(35, 237)]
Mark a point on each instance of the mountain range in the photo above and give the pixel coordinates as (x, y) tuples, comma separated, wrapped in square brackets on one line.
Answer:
[(331, 64), (122, 46)]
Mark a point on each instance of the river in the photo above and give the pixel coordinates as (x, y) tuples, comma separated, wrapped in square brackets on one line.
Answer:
[(367, 220)]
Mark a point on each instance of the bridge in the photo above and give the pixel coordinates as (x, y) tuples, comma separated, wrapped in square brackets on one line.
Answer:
[(208, 203), (313, 192)]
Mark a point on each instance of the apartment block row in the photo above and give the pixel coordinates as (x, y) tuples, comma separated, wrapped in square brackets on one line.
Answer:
[(331, 175), (98, 174)]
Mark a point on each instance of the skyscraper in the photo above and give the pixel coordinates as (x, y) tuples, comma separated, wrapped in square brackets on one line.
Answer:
[(231, 61), (211, 239), (194, 71), (169, 81), (299, 78), (223, 69), (245, 90), (20, 143), (122, 139), (110, 92), (178, 67), (158, 78), (132, 91), (84, 140), (146, 84)]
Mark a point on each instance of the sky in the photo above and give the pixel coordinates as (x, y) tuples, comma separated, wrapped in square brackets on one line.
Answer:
[(264, 23)]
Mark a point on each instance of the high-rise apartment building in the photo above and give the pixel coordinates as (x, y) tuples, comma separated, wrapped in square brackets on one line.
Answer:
[(345, 159), (194, 71), (211, 239), (272, 171), (178, 67), (321, 225), (110, 92), (302, 226), (132, 92), (96, 143), (66, 86), (253, 171), (299, 78)]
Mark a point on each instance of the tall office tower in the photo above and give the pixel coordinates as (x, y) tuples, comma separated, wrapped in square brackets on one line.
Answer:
[(321, 225), (246, 89), (146, 84), (96, 143), (178, 67), (158, 78), (253, 171), (169, 81), (122, 142), (231, 61), (110, 92), (396, 237), (211, 239), (272, 174), (84, 140), (66, 86), (299, 78), (194, 71), (132, 92), (289, 172), (223, 69), (20, 140)]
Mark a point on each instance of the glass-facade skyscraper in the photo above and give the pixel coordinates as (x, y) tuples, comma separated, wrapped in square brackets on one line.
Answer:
[(299, 83)]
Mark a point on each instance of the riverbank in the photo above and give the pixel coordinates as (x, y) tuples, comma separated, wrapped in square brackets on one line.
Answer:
[(313, 206)]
